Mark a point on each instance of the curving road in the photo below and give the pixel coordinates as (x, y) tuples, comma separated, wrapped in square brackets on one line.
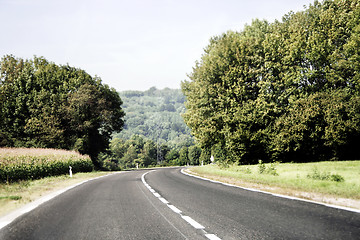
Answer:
[(166, 204)]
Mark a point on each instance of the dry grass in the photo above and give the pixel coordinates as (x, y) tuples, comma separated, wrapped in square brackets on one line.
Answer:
[(16, 195), (38, 152)]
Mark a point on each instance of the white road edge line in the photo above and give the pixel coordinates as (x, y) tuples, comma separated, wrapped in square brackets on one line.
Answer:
[(273, 194), (188, 219), (10, 217)]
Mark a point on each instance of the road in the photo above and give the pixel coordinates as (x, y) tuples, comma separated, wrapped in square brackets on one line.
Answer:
[(166, 204)]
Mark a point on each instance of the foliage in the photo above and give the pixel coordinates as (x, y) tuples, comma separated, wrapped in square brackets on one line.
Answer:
[(316, 175), (125, 154), (156, 115), (194, 154), (184, 156), (46, 105), (263, 169), (285, 91), (18, 164)]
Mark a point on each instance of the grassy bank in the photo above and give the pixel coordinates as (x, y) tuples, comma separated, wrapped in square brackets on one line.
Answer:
[(335, 182), (17, 194)]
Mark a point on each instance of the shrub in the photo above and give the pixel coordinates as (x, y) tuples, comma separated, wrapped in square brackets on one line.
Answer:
[(267, 170), (261, 167), (325, 176)]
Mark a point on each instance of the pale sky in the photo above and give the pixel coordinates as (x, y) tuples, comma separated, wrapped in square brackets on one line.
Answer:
[(130, 45)]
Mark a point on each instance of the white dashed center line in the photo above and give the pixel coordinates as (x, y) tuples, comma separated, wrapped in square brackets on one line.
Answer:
[(188, 219)]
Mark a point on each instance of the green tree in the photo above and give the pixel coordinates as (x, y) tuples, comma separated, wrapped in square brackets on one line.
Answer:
[(205, 156), (184, 156), (149, 152), (266, 92), (46, 105), (172, 157), (194, 155)]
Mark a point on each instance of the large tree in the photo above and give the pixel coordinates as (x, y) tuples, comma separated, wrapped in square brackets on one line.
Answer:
[(47, 105), (284, 91)]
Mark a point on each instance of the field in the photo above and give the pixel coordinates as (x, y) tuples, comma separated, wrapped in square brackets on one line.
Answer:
[(34, 163), (29, 173), (336, 182)]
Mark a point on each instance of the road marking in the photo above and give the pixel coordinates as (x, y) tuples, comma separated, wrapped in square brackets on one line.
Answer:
[(151, 202), (188, 219), (156, 194), (192, 222), (273, 194), (4, 223), (163, 200), (175, 209), (212, 237)]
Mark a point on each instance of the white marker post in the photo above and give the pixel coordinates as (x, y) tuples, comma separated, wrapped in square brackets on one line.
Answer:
[(70, 171)]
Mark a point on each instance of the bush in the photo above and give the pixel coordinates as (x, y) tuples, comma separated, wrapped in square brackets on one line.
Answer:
[(325, 176), (261, 167), (267, 170)]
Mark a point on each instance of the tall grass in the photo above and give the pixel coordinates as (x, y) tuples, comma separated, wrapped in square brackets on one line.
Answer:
[(34, 163)]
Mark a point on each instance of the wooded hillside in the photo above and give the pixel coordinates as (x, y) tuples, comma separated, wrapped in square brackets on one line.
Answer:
[(156, 115)]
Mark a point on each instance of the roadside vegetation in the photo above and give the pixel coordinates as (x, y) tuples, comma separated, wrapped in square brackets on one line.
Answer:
[(17, 194), (282, 91), (143, 152), (34, 163), (45, 105), (316, 180)]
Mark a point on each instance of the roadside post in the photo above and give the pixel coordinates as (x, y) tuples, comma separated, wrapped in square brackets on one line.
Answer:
[(212, 159)]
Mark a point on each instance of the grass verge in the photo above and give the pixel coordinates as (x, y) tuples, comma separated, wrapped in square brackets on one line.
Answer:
[(17, 194), (314, 181)]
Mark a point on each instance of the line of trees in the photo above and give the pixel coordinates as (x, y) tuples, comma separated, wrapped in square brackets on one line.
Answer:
[(50, 106), (285, 91), (143, 152)]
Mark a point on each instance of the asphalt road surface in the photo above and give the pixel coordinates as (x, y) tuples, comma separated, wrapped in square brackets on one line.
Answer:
[(166, 204)]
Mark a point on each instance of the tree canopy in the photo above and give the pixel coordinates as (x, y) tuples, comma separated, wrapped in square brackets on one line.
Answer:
[(46, 105), (288, 90), (142, 152)]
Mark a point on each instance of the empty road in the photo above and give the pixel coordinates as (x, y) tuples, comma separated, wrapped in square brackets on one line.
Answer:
[(166, 204)]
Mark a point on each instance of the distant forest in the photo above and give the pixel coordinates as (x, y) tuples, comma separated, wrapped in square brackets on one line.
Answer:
[(156, 115)]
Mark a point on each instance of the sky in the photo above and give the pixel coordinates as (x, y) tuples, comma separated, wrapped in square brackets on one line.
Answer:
[(130, 45)]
